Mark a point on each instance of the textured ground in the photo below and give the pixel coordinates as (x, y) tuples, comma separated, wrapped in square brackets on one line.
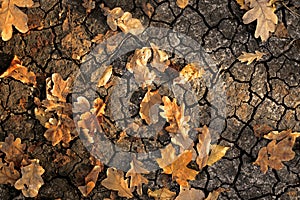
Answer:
[(266, 92)]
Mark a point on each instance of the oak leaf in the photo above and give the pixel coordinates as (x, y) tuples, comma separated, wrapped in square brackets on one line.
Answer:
[(19, 72), (11, 15), (217, 152), (203, 147), (177, 167), (115, 181), (8, 174), (280, 149), (162, 194), (250, 57), (90, 181), (13, 149), (182, 3), (149, 100), (58, 89), (31, 179), (190, 193), (136, 179), (263, 12)]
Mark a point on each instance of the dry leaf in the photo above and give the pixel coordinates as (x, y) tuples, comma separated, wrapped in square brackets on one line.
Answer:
[(162, 194), (8, 174), (203, 147), (81, 105), (19, 72), (105, 77), (242, 4), (115, 181), (14, 150), (90, 181), (149, 100), (31, 179), (281, 31), (130, 25), (148, 9), (160, 58), (191, 72), (112, 17), (89, 5), (59, 88), (217, 152), (250, 57), (182, 3), (171, 164), (214, 195), (263, 12), (11, 15), (100, 37), (190, 194), (136, 179), (278, 150)]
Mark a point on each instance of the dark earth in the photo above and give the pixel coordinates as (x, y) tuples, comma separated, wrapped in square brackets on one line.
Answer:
[(262, 93)]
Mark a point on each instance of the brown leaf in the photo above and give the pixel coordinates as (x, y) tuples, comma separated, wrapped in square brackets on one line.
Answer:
[(90, 181), (276, 152), (160, 58), (162, 194), (263, 12), (31, 179), (149, 100), (250, 57), (217, 152), (281, 31), (177, 167), (11, 15), (14, 150), (105, 76), (190, 193), (115, 181), (136, 179), (89, 5), (8, 174), (243, 4), (148, 9), (81, 105), (214, 195), (99, 109), (182, 3), (261, 129), (203, 147), (58, 89), (19, 72), (190, 72)]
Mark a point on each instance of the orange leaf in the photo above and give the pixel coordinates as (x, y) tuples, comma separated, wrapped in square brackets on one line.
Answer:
[(149, 100)]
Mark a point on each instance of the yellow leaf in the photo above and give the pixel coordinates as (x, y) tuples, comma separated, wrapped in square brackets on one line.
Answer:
[(162, 194), (265, 16), (11, 15), (182, 3), (217, 152), (250, 57), (115, 181), (149, 100), (191, 72)]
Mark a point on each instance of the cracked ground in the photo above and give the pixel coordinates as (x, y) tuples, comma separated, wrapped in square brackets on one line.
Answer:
[(262, 93)]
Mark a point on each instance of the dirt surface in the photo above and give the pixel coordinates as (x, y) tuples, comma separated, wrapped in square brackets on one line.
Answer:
[(262, 93)]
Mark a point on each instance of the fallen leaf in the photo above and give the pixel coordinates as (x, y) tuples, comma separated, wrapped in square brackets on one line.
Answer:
[(19, 72), (261, 129), (90, 181), (105, 76), (160, 58), (191, 72), (89, 5), (263, 12), (214, 195), (250, 57), (11, 15), (13, 149), (171, 164), (130, 25), (280, 149), (217, 152), (182, 3), (31, 179), (112, 17), (203, 147), (281, 31), (162, 194), (58, 89), (81, 105), (101, 37), (99, 109), (190, 194), (8, 174), (148, 9), (115, 181), (136, 179), (149, 100)]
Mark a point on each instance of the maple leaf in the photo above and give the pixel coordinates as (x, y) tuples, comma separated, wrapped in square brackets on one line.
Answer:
[(8, 174), (217, 152), (14, 150), (149, 100), (263, 12), (105, 76), (190, 193), (162, 194), (89, 5), (276, 152), (136, 179), (31, 179), (19, 72), (56, 88), (115, 181), (11, 15), (90, 181), (250, 57), (182, 3), (203, 147), (171, 164)]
